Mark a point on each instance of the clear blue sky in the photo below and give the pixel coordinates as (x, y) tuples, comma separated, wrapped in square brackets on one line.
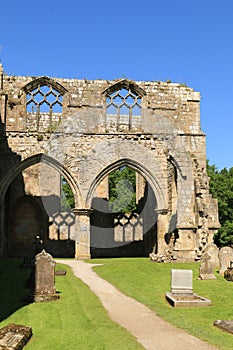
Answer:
[(185, 41)]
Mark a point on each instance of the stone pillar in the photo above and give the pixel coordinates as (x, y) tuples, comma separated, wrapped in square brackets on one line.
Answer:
[(140, 187), (102, 191), (82, 248), (162, 228)]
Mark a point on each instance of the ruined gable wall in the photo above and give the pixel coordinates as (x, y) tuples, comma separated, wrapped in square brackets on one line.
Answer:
[(169, 131)]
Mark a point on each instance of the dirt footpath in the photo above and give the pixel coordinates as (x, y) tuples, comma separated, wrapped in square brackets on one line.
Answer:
[(150, 330)]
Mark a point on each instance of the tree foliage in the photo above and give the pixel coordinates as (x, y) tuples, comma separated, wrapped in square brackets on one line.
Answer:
[(67, 197), (122, 190), (221, 187)]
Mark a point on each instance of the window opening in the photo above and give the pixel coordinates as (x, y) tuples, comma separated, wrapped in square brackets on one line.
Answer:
[(125, 106), (67, 197), (44, 108)]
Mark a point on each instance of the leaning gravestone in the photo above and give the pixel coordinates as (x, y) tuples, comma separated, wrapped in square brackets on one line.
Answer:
[(212, 250), (44, 278), (225, 257), (206, 271)]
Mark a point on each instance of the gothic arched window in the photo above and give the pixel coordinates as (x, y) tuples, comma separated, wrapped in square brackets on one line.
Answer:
[(43, 104), (123, 106)]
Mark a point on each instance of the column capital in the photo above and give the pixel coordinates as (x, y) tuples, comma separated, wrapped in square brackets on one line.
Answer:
[(82, 211)]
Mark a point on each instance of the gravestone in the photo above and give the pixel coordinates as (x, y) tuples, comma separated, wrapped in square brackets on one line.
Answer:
[(228, 274), (206, 271), (181, 294), (212, 250), (44, 278), (14, 337), (226, 325), (225, 257), (182, 281)]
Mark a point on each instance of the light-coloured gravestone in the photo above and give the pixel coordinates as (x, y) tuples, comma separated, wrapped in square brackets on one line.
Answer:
[(213, 251), (182, 281), (225, 257), (44, 277), (206, 271), (181, 294)]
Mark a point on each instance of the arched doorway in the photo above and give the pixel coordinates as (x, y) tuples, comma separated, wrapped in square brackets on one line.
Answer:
[(34, 210), (124, 217)]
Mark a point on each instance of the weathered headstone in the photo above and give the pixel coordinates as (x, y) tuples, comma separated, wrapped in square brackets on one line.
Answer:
[(228, 274), (226, 325), (44, 277), (225, 257), (206, 271), (182, 281), (213, 251), (14, 337)]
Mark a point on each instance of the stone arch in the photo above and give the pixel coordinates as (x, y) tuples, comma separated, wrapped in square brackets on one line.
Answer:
[(138, 167), (108, 155), (131, 233), (123, 105), (38, 158), (125, 84), (43, 103), (44, 81), (48, 204)]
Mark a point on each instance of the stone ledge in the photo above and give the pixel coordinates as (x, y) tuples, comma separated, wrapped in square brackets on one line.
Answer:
[(191, 300)]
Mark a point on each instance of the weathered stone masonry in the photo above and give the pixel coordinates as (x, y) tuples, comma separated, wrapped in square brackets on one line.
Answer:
[(81, 136)]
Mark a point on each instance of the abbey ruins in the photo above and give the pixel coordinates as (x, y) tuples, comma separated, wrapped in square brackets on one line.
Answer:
[(80, 131)]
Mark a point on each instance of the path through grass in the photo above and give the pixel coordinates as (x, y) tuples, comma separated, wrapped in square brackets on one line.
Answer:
[(147, 282), (76, 321)]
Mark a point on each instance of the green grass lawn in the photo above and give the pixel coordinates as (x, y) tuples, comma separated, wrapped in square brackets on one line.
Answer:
[(148, 282), (76, 321)]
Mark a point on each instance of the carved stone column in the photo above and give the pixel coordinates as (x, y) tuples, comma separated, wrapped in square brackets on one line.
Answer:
[(82, 244), (162, 228)]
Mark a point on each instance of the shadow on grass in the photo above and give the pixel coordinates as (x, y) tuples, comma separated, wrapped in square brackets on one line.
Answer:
[(14, 289)]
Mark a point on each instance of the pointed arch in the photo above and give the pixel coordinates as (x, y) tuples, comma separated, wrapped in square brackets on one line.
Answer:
[(124, 105), (39, 158), (138, 167), (44, 81), (125, 84)]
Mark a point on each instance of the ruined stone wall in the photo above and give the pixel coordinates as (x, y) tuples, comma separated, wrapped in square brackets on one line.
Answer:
[(82, 141), (178, 104)]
